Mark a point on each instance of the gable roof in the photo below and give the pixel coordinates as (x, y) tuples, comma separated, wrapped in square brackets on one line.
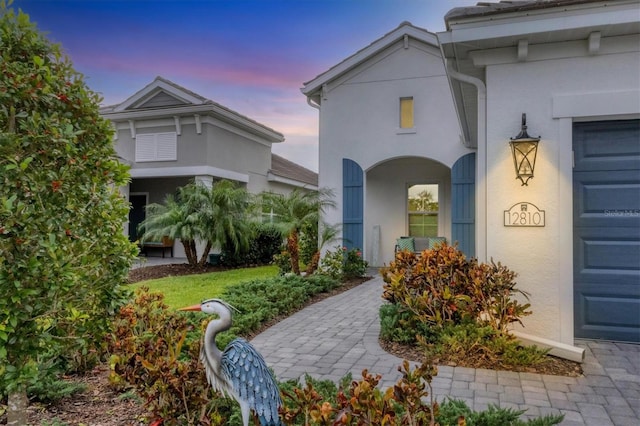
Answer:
[(404, 29), (164, 98), (158, 86), (285, 171)]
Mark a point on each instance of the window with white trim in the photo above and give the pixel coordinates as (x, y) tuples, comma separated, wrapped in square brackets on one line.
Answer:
[(156, 147), (423, 210)]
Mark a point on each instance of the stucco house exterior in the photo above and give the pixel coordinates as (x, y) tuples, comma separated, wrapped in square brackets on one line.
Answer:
[(573, 67), (171, 136), (370, 153)]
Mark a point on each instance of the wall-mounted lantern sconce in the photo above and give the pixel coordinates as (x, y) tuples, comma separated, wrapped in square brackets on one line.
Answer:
[(524, 149)]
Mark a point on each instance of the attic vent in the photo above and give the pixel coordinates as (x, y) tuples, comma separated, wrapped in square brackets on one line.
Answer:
[(161, 100)]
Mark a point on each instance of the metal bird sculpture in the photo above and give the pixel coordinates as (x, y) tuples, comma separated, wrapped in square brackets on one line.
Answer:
[(239, 371)]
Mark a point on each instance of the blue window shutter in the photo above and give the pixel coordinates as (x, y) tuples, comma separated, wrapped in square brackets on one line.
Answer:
[(463, 204), (352, 204)]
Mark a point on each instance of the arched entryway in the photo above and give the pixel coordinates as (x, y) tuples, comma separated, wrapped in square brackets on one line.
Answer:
[(405, 196)]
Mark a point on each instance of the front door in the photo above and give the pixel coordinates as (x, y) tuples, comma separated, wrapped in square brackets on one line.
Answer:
[(136, 214), (606, 215)]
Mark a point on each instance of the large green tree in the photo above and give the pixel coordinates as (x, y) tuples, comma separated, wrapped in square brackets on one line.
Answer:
[(293, 211), (63, 253)]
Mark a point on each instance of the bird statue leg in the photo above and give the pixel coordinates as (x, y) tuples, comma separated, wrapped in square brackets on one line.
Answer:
[(246, 412)]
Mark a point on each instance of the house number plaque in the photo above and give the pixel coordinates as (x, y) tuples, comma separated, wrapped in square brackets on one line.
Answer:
[(524, 214)]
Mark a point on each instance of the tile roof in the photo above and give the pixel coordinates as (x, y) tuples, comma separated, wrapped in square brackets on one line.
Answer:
[(288, 169), (508, 6)]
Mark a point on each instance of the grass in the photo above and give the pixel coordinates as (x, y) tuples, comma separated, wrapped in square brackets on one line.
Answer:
[(189, 290)]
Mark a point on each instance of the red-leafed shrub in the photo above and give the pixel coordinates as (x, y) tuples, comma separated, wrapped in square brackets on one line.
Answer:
[(441, 287)]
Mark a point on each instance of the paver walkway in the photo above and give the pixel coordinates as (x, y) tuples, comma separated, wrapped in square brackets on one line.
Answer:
[(340, 335)]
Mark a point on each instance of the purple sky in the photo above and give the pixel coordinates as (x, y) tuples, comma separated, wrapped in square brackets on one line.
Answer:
[(250, 55)]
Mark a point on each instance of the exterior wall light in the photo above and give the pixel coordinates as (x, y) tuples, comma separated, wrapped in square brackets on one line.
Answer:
[(524, 149)]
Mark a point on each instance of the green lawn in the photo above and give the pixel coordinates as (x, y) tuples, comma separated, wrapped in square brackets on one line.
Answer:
[(192, 289)]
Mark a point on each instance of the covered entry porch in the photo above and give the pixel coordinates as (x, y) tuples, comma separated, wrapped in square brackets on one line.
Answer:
[(408, 196)]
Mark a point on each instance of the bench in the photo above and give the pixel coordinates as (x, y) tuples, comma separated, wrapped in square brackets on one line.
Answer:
[(417, 244), (163, 245)]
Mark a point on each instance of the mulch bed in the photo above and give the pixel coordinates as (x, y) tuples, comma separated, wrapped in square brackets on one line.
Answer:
[(171, 270), (551, 365)]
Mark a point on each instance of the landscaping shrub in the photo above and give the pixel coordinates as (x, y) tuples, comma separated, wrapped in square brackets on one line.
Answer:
[(409, 402), (308, 241), (283, 261), (343, 264), (63, 255), (478, 346), (455, 308), (398, 325), (265, 241), (452, 409), (441, 287), (52, 391), (156, 350)]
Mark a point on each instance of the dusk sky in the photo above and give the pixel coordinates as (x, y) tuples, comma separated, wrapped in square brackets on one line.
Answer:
[(250, 56)]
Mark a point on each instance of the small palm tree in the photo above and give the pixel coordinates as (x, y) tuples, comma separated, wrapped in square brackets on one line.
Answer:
[(329, 233), (292, 211), (213, 215), (223, 214), (172, 219)]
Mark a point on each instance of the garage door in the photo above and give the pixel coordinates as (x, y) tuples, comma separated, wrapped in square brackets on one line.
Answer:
[(606, 214)]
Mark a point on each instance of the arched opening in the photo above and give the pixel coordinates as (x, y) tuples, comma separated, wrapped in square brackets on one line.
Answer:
[(405, 196)]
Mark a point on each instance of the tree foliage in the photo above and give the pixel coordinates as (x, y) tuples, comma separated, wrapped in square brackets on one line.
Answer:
[(63, 254)]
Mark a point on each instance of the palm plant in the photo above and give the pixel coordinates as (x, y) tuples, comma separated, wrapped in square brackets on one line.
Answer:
[(329, 234), (292, 211), (213, 215), (223, 214), (172, 219)]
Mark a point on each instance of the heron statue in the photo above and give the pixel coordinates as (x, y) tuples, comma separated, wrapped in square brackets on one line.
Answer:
[(239, 371)]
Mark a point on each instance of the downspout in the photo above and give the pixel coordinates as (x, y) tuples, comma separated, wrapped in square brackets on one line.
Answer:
[(481, 170)]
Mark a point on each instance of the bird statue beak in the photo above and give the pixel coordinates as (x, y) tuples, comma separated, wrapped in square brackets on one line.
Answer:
[(191, 308)]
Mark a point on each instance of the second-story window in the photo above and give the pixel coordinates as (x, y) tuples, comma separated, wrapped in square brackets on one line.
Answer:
[(406, 113)]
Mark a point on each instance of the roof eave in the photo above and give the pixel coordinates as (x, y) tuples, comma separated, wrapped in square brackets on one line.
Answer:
[(274, 177), (215, 110), (546, 17), (491, 9)]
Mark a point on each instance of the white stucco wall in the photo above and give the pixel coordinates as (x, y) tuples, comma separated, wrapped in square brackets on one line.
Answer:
[(359, 120), (553, 90)]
